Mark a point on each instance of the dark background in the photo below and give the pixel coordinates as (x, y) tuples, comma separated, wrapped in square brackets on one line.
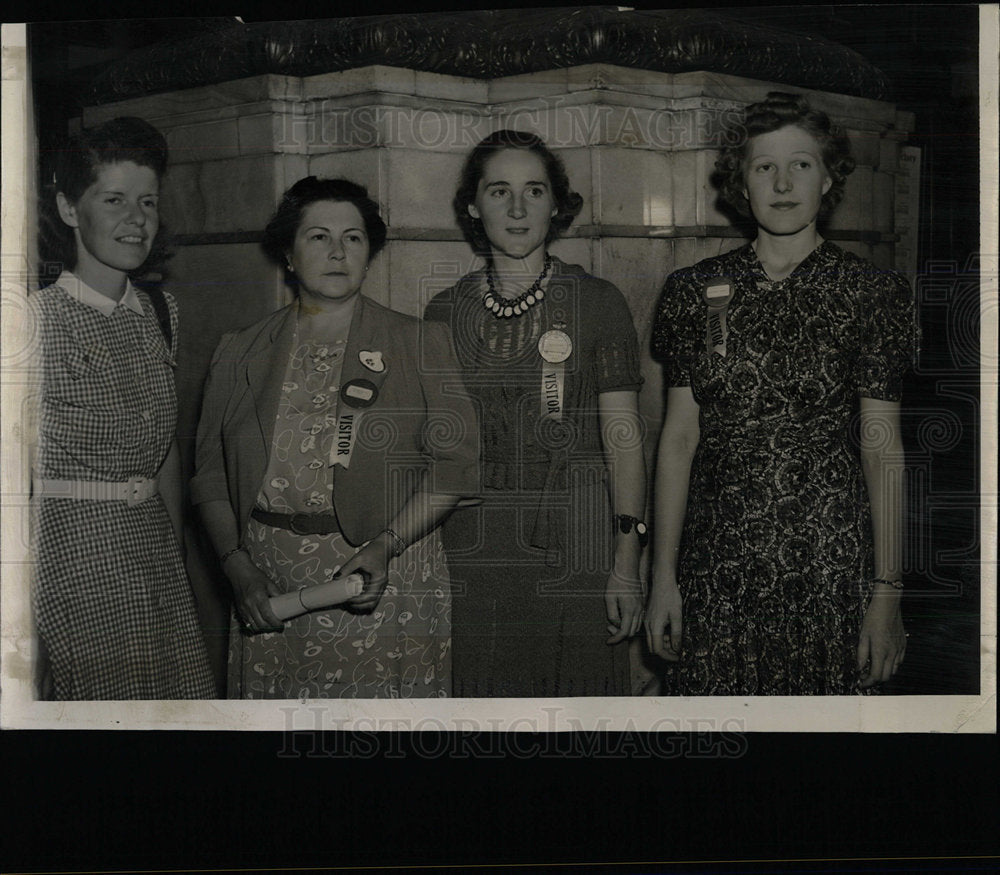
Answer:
[(137, 801)]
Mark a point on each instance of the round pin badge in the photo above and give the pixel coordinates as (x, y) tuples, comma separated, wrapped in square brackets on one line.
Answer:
[(555, 346), (359, 393)]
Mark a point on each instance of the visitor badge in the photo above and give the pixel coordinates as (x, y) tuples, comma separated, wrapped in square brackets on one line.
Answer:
[(717, 294), (555, 346), (344, 436), (359, 393), (553, 390), (718, 291)]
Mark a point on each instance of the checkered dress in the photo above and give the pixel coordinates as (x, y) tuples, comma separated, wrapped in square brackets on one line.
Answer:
[(113, 606)]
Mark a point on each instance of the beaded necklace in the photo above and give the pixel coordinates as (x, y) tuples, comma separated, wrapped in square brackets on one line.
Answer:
[(502, 308)]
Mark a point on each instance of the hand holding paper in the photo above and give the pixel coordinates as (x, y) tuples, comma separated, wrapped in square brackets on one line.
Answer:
[(313, 598)]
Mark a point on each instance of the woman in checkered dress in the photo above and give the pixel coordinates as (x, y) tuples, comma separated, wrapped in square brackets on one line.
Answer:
[(114, 610)]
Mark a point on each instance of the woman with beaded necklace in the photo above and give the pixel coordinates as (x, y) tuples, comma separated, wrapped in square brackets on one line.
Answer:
[(545, 570)]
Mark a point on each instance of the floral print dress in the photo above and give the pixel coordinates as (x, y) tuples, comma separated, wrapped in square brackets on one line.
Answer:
[(402, 648), (776, 552)]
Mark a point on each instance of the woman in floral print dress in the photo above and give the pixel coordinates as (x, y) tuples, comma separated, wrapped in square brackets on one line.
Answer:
[(777, 565), (334, 437)]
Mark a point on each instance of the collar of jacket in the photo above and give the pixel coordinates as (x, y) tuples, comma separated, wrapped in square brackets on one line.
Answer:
[(267, 356)]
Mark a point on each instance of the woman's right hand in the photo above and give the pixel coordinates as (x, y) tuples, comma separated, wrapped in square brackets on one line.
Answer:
[(251, 590), (664, 613)]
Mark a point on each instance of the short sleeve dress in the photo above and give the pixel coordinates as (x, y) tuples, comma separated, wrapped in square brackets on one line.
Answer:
[(113, 606), (776, 551), (529, 566)]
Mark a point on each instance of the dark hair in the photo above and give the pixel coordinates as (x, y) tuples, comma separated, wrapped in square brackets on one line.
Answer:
[(778, 110), (568, 202), (279, 235), (77, 167)]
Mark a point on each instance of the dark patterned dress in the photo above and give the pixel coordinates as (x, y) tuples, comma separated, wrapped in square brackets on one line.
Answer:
[(112, 602), (777, 541), (530, 565)]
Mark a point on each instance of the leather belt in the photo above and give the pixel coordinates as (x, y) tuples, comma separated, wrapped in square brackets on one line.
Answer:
[(299, 523)]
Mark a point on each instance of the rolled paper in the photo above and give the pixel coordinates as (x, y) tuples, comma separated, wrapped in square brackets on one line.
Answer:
[(314, 598)]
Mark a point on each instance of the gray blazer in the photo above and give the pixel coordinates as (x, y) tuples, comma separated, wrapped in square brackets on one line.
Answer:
[(421, 431)]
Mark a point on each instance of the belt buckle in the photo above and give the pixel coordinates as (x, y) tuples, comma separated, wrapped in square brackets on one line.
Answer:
[(294, 523), (132, 487)]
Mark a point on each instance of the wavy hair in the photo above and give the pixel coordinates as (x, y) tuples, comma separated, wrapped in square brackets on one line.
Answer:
[(279, 235), (776, 111), (77, 167), (568, 202)]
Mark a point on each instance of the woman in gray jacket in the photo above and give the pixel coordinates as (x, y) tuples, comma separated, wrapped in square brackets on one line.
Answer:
[(334, 438)]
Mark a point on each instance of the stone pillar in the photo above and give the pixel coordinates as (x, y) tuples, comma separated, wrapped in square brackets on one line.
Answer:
[(639, 146)]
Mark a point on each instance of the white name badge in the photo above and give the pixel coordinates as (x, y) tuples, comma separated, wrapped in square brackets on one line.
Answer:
[(553, 389), (555, 346), (359, 393), (344, 437)]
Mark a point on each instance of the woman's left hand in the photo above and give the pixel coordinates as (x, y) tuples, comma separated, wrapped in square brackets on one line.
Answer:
[(624, 601), (372, 561), (883, 640)]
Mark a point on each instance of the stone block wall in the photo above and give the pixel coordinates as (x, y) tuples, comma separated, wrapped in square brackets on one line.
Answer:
[(639, 146)]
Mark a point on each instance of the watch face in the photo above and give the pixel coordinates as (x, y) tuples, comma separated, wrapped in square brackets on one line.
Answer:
[(640, 528)]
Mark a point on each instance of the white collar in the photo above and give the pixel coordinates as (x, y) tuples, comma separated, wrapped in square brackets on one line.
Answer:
[(77, 289)]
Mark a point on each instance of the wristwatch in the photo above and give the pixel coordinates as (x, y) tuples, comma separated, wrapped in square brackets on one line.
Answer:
[(627, 523)]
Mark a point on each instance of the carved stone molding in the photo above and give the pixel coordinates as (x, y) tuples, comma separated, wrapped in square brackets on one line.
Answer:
[(492, 44)]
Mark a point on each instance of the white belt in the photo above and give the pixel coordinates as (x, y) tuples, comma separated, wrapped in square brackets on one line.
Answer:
[(133, 491)]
